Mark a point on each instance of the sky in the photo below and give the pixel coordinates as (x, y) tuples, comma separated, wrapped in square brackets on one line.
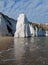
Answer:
[(35, 10)]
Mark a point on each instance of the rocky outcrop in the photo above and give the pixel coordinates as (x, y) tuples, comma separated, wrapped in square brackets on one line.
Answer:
[(23, 29), (7, 25), (46, 33)]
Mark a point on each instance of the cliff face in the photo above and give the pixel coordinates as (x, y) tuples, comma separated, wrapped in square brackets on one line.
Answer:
[(7, 25), (23, 29)]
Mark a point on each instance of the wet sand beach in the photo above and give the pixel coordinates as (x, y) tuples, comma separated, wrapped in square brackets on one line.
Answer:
[(23, 51)]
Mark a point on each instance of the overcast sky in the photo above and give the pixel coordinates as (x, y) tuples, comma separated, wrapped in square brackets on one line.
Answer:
[(35, 10)]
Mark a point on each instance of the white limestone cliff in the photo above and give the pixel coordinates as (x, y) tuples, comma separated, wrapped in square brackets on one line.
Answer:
[(22, 28), (32, 30)]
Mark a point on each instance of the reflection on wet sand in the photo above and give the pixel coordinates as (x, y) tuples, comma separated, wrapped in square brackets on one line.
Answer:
[(24, 51), (6, 51), (31, 51)]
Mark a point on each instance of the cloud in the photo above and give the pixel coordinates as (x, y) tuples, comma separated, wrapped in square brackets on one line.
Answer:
[(35, 10)]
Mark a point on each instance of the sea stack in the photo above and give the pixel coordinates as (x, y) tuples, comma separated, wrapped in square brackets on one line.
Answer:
[(22, 27)]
